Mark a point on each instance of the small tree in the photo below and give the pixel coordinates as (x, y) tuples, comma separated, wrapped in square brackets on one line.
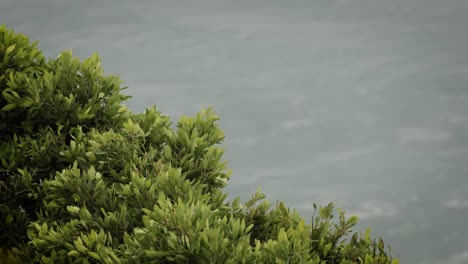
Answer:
[(84, 180)]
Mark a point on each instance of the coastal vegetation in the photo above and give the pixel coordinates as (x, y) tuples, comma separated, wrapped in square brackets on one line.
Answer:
[(85, 180)]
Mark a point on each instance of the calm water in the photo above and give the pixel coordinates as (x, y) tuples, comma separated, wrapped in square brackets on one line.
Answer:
[(360, 102)]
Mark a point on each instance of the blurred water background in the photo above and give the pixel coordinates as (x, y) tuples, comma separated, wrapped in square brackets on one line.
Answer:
[(363, 103)]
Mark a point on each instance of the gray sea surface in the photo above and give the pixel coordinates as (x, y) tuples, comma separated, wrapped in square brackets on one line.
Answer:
[(363, 103)]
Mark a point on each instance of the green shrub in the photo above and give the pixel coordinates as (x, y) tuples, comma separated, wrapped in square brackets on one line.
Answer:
[(84, 180)]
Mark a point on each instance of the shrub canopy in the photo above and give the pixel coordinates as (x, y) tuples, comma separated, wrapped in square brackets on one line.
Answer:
[(85, 180)]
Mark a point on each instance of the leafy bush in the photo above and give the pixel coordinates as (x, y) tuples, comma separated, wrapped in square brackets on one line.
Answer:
[(84, 180)]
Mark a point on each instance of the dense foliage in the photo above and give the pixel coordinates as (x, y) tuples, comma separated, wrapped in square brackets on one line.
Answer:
[(84, 180)]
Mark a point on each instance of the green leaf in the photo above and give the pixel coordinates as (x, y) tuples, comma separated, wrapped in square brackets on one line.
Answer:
[(9, 107), (74, 253), (10, 49), (14, 93), (26, 102), (327, 248), (79, 245), (94, 255), (73, 209), (167, 153), (156, 254), (282, 236), (8, 219)]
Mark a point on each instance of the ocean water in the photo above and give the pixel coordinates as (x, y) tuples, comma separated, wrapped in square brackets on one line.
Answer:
[(363, 103)]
